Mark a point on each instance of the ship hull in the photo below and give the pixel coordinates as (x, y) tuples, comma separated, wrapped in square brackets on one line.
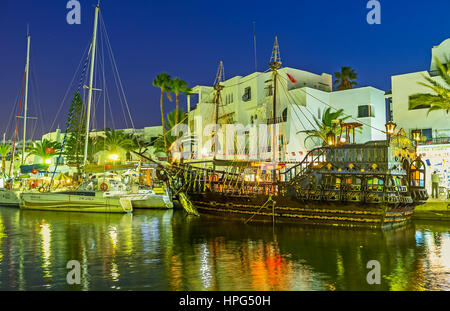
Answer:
[(287, 210)]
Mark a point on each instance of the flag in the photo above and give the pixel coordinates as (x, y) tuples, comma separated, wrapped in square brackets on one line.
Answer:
[(291, 78)]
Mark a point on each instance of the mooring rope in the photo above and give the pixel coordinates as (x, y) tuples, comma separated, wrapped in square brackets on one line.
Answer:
[(264, 205)]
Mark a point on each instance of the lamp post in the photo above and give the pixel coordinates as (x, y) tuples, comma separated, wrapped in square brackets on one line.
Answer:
[(390, 128), (331, 139), (114, 157), (416, 136)]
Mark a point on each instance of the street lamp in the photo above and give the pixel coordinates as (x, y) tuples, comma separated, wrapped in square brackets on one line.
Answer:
[(417, 136), (114, 157), (331, 138), (390, 128)]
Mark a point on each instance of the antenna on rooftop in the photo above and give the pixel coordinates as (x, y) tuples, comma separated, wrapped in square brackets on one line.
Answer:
[(254, 45)]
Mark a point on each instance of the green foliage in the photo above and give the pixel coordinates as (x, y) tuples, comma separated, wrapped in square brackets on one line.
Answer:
[(440, 100), (164, 82), (4, 150), (325, 125), (75, 141), (41, 149), (187, 91), (345, 79), (177, 86), (170, 123), (116, 141)]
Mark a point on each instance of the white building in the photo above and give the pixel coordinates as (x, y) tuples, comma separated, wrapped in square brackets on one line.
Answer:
[(301, 95), (435, 126)]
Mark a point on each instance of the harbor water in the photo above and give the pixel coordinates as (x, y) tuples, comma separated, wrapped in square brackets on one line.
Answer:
[(167, 250)]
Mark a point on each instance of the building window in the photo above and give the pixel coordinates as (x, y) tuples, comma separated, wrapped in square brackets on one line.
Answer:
[(229, 98), (269, 90), (284, 114), (247, 94), (366, 111)]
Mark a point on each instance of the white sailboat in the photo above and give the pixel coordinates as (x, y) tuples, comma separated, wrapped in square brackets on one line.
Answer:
[(155, 198), (96, 195), (9, 196)]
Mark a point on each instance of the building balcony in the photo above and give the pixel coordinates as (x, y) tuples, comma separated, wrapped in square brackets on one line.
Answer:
[(435, 141)]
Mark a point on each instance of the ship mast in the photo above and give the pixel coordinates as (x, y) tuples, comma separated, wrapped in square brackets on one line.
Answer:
[(91, 79), (27, 70), (218, 87), (274, 65)]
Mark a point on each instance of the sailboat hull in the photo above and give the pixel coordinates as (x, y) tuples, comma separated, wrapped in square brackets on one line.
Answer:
[(9, 198), (154, 200), (75, 202)]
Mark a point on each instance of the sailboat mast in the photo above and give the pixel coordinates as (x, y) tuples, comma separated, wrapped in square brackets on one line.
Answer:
[(25, 111), (91, 80), (218, 89), (274, 64)]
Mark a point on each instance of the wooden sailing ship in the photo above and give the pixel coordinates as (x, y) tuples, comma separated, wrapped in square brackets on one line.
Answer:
[(376, 184)]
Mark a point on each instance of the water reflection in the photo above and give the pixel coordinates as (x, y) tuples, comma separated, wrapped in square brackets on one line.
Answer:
[(165, 250)]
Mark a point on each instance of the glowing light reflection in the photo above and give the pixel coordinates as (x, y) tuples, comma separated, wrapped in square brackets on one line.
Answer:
[(46, 249)]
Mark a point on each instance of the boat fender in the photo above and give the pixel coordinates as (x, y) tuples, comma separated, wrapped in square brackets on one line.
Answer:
[(214, 177), (103, 187)]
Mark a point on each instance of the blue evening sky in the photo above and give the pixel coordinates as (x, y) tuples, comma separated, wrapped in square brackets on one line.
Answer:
[(188, 38)]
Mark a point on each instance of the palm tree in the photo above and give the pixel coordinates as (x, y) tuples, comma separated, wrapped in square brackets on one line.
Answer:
[(116, 141), (438, 101), (170, 124), (4, 150), (45, 149), (140, 145), (325, 125), (345, 78), (176, 87), (163, 81)]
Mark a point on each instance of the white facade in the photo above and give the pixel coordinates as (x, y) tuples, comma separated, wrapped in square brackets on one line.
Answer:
[(437, 123), (300, 95), (435, 126)]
